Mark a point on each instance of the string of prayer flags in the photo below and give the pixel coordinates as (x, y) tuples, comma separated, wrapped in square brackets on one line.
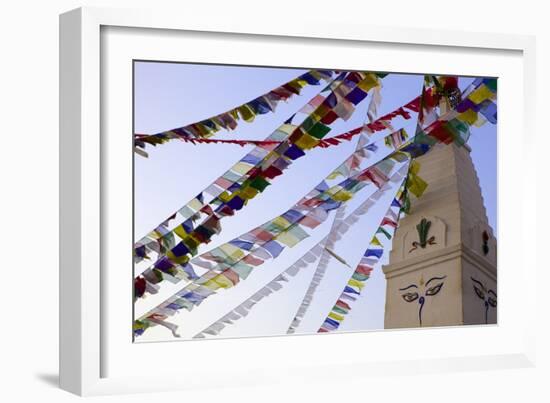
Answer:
[(248, 111), (396, 140), (356, 282)]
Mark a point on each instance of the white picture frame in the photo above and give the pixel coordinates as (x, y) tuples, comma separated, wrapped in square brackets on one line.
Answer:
[(86, 345)]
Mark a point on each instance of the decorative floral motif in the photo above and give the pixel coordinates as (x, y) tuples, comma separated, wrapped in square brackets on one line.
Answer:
[(423, 229)]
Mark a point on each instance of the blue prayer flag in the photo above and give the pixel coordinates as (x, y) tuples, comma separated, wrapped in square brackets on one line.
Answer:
[(332, 322), (274, 248), (251, 159), (180, 250), (374, 252), (293, 216), (322, 187), (395, 203), (236, 203), (350, 290), (188, 269), (489, 110), (294, 152), (239, 243)]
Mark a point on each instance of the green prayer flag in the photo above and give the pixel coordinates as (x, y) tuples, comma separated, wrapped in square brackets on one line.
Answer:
[(259, 183), (381, 230), (406, 205), (308, 123), (319, 130), (359, 277)]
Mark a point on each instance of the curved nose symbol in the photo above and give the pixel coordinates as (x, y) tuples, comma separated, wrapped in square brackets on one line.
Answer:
[(421, 302)]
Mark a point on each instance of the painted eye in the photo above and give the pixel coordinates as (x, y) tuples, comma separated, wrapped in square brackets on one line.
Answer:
[(410, 296), (434, 290), (492, 302), (479, 292)]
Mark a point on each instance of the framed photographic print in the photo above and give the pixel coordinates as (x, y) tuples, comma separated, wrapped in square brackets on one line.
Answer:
[(267, 197)]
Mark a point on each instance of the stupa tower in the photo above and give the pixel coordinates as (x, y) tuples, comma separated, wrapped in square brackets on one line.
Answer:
[(442, 267)]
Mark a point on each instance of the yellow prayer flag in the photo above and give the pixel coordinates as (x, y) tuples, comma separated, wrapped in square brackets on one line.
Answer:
[(225, 196), (469, 116), (281, 222), (481, 94), (180, 231), (175, 259), (246, 112), (343, 195), (414, 167), (370, 81), (248, 192), (375, 241), (232, 251), (356, 283), (287, 238), (306, 142), (222, 281), (416, 185), (335, 316), (211, 285)]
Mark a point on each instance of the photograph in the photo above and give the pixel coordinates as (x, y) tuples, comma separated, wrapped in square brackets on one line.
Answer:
[(272, 201)]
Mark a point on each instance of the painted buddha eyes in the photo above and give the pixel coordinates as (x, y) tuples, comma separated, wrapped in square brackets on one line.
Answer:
[(482, 292), (434, 290), (489, 297), (413, 295), (479, 292), (410, 296)]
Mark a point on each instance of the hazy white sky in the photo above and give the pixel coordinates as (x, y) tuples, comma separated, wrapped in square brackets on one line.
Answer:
[(169, 95)]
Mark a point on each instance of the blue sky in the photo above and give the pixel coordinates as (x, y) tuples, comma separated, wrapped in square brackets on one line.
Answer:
[(169, 95)]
